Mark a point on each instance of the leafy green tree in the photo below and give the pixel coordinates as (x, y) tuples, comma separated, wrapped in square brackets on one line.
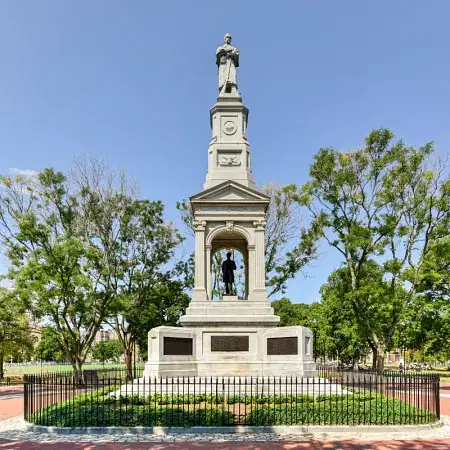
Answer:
[(339, 331), (431, 313), (52, 263), (292, 314), (383, 201), (115, 349), (100, 352), (136, 249), (425, 326), (50, 346), (335, 328), (107, 350), (15, 331)]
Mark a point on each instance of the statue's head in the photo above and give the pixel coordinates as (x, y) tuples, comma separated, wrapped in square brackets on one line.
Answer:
[(228, 255), (227, 38)]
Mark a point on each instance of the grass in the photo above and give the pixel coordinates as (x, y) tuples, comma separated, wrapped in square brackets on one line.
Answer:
[(101, 408), (36, 368)]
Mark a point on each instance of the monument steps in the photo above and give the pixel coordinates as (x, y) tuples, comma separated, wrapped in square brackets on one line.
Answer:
[(230, 385)]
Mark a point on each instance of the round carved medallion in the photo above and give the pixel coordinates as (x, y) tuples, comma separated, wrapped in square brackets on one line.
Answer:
[(229, 127)]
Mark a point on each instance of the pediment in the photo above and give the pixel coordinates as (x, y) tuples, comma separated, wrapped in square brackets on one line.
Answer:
[(229, 192)]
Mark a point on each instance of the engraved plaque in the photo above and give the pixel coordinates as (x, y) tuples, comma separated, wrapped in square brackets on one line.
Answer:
[(229, 343), (177, 346), (282, 346)]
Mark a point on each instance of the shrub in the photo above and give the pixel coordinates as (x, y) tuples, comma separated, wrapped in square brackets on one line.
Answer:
[(139, 415), (100, 408), (388, 411)]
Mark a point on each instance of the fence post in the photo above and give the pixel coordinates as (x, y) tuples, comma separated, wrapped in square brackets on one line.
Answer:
[(437, 396), (25, 397)]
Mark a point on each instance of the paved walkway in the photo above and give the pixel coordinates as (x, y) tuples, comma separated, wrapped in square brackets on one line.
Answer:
[(287, 445), (11, 401), (13, 436)]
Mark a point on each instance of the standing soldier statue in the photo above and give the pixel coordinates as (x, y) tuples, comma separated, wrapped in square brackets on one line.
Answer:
[(227, 59), (228, 268)]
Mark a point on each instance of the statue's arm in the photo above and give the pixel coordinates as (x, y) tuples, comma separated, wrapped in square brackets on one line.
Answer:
[(219, 52), (236, 57)]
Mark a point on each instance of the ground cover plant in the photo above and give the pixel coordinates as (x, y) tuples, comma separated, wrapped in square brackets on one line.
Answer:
[(104, 407)]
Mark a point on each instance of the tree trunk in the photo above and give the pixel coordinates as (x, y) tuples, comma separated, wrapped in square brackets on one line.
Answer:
[(380, 358), (128, 355), (1, 365), (374, 358), (78, 372)]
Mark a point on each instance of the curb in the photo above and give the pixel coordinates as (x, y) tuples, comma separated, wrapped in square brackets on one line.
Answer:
[(292, 429)]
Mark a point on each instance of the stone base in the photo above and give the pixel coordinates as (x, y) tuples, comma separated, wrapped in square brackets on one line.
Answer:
[(237, 351), (229, 311), (222, 368)]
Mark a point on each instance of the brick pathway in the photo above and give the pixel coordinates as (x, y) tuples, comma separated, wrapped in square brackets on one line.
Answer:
[(6, 391), (10, 408), (11, 404)]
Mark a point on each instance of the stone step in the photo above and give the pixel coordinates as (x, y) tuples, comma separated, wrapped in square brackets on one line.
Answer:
[(233, 386), (252, 319), (224, 310)]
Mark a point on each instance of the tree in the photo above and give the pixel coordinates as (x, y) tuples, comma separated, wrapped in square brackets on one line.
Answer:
[(287, 251), (339, 331), (136, 249), (336, 331), (50, 346), (381, 202), (115, 349), (107, 350), (51, 261), (15, 330), (292, 314)]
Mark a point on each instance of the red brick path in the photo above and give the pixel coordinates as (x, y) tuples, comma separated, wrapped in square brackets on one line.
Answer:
[(10, 407)]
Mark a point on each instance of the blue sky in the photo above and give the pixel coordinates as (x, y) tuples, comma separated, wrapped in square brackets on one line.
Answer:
[(134, 81)]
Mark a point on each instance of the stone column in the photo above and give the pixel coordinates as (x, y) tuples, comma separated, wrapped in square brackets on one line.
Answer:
[(251, 270), (259, 288), (199, 292), (246, 271), (208, 272)]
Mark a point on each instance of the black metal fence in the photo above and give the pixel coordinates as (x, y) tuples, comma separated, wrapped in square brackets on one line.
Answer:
[(107, 398)]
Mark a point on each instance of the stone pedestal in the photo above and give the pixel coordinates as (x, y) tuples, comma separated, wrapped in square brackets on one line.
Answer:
[(244, 350)]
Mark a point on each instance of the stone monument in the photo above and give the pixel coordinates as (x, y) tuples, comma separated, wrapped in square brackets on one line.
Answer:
[(229, 336)]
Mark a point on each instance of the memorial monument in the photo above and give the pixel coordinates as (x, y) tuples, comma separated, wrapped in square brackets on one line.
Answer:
[(231, 335)]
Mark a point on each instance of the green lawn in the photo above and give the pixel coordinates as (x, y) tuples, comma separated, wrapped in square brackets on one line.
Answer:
[(36, 368)]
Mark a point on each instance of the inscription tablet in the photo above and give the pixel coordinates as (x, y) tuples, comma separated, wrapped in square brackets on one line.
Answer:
[(177, 346), (282, 346), (229, 343)]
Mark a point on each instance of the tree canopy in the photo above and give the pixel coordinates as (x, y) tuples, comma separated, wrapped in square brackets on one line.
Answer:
[(385, 202)]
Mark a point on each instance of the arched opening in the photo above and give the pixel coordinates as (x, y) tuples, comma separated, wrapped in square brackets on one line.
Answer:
[(217, 285), (235, 243)]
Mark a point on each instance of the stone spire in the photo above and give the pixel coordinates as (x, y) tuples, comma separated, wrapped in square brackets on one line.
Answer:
[(229, 150)]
